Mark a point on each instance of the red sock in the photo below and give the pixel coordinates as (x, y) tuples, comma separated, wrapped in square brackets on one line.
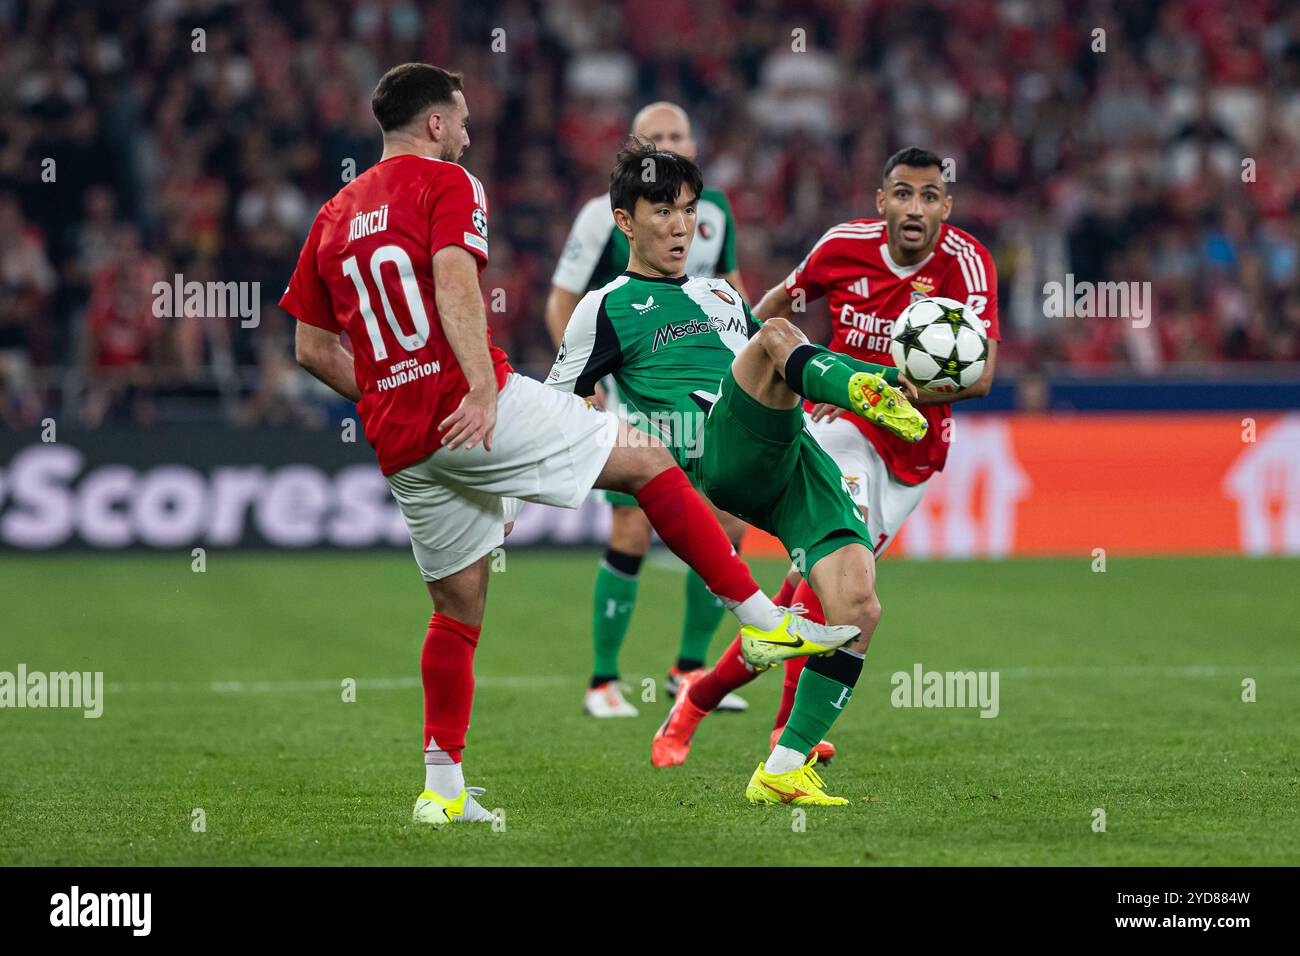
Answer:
[(731, 671), (784, 595), (803, 594), (688, 527), (793, 668), (447, 669)]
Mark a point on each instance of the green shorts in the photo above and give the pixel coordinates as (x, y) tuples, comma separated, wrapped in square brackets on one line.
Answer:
[(619, 500), (761, 465)]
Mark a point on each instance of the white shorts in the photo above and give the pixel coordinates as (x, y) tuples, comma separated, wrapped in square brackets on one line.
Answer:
[(548, 446), (884, 500)]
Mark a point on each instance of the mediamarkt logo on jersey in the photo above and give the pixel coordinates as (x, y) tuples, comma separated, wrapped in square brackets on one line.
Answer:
[(671, 333)]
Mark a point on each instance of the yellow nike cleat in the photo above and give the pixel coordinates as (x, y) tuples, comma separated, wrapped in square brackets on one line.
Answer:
[(437, 810), (801, 787), (882, 404), (795, 636)]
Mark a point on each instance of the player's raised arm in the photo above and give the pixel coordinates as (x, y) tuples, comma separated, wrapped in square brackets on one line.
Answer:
[(460, 305)]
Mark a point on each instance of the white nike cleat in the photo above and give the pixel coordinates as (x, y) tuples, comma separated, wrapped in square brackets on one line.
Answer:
[(436, 810), (733, 703), (607, 700), (795, 636)]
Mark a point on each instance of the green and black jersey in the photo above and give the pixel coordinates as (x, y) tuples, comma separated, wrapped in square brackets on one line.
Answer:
[(669, 345), (668, 342), (596, 252)]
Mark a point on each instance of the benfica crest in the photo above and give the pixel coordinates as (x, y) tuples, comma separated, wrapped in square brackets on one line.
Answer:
[(921, 289)]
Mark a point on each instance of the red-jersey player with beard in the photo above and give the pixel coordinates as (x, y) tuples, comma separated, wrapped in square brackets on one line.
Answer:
[(393, 261), (869, 270)]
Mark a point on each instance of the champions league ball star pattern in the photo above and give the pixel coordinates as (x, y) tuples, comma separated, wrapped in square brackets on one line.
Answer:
[(937, 345)]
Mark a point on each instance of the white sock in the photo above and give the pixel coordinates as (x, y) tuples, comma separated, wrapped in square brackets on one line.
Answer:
[(783, 760), (758, 611), (442, 775)]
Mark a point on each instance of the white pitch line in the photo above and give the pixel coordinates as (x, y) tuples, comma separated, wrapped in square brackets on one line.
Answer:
[(509, 682), (1152, 670), (547, 682)]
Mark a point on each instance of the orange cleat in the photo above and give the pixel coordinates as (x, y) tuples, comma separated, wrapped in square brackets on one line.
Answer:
[(730, 703), (825, 750), (672, 741)]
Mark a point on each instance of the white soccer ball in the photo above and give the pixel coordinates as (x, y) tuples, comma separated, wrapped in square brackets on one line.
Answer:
[(939, 345)]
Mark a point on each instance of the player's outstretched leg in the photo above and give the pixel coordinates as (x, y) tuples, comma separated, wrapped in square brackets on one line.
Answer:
[(447, 671), (820, 375), (687, 525), (845, 582)]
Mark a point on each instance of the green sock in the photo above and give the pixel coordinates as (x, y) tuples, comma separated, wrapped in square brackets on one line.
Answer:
[(615, 596), (825, 688), (703, 615), (825, 374), (887, 372)]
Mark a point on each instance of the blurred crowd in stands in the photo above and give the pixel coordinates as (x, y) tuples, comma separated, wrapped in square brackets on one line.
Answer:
[(1138, 142)]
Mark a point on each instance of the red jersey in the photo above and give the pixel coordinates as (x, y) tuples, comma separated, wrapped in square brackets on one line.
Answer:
[(367, 269), (867, 291)]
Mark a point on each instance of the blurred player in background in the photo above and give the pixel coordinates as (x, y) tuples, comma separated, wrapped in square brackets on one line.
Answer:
[(393, 260), (596, 252), (870, 270)]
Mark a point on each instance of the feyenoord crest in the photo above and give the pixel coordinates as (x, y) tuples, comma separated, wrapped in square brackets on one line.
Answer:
[(480, 222), (723, 296)]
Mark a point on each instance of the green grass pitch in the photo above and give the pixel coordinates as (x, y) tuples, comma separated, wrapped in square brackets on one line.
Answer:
[(1119, 690)]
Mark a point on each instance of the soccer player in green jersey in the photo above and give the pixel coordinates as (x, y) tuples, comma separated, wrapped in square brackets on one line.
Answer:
[(724, 394), (596, 252)]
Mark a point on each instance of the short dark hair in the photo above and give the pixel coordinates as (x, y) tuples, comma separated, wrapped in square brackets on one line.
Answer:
[(405, 91), (656, 175), (912, 156)]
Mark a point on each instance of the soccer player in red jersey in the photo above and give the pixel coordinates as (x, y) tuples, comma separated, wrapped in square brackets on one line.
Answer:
[(393, 261), (869, 270)]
